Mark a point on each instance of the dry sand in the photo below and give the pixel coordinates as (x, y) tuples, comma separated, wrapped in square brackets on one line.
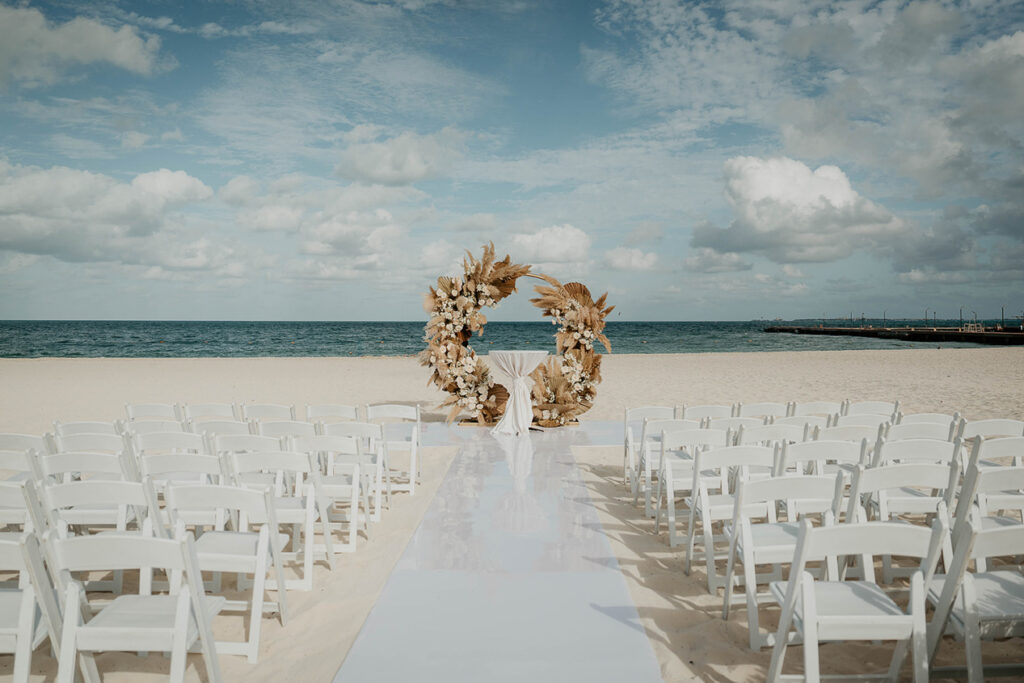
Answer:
[(681, 618)]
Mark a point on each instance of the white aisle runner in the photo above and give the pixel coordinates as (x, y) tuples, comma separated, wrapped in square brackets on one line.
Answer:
[(508, 578)]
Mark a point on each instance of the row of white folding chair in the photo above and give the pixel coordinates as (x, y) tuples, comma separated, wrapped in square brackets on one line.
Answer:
[(972, 607), (55, 510), (218, 550), (175, 623), (299, 506), (677, 451), (775, 543), (273, 411), (678, 471), (884, 492)]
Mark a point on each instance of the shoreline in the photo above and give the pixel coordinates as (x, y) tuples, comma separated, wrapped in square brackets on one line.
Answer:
[(978, 382)]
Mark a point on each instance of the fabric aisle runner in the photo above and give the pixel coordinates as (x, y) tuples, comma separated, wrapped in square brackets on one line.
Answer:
[(509, 576)]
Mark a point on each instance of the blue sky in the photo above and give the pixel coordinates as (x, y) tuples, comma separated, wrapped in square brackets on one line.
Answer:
[(328, 160)]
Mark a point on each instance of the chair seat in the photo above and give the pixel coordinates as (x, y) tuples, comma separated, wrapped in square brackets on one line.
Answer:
[(230, 550), (145, 619), (999, 596), (774, 542), (851, 610)]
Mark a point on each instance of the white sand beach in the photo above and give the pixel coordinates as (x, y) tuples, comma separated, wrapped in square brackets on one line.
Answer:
[(681, 619)]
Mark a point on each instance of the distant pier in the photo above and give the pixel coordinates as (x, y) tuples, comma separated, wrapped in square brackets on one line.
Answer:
[(917, 334)]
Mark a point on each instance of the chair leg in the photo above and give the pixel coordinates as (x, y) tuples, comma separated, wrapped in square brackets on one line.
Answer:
[(690, 530), (753, 618), (972, 636), (709, 554), (23, 644), (812, 673), (413, 471), (68, 648), (179, 646), (256, 612)]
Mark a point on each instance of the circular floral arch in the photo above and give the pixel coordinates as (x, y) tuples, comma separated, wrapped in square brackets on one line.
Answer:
[(565, 385)]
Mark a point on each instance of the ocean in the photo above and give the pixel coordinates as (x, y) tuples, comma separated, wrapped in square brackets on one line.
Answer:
[(192, 339)]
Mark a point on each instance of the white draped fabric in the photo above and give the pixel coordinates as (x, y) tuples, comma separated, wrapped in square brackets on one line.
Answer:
[(519, 411)]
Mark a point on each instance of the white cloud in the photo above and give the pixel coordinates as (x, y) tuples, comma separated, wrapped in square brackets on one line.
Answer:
[(78, 148), (626, 258), (557, 244), (133, 139), (791, 213), (81, 216), (401, 160), (33, 51), (706, 260)]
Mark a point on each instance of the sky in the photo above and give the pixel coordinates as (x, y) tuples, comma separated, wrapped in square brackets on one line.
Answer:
[(328, 159)]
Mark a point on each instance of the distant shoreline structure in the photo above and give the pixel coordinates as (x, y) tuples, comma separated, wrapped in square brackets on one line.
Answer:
[(975, 333)]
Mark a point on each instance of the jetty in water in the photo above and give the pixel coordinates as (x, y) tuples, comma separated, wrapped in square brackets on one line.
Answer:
[(974, 334)]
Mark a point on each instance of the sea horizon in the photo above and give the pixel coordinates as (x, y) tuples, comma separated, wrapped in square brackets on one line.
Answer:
[(237, 338)]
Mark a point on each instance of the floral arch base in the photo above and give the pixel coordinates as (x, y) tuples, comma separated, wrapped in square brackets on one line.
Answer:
[(565, 385)]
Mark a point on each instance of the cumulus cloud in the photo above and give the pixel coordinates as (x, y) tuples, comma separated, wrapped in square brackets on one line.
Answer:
[(791, 213), (81, 216), (557, 244), (34, 51), (706, 260), (401, 160), (626, 258)]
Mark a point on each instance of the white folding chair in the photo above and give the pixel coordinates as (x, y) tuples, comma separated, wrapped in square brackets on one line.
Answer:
[(772, 541), (981, 605), (902, 492), (208, 411), (820, 408), (150, 426), (401, 425), (47, 600), (808, 421), (18, 462), (22, 443), (285, 428), (914, 450), (650, 442), (373, 458), (930, 418), (20, 632), (733, 423), (85, 427), (849, 433), (232, 546), (675, 466), (763, 409), (833, 609), (771, 434), (152, 411), (15, 517), (990, 428), (921, 430), (992, 490), (144, 622), (703, 412), (343, 481), (716, 473), (866, 419), (886, 408), (332, 412), (298, 501), (632, 424), (169, 443), (267, 411), (219, 427)]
